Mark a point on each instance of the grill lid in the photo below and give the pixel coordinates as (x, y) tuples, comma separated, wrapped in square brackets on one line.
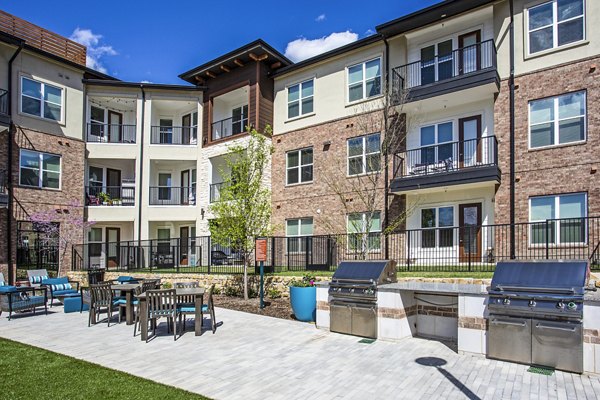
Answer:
[(557, 276), (379, 271)]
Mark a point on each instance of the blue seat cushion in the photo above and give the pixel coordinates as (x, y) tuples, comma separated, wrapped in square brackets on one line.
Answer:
[(57, 284), (8, 289), (124, 301), (191, 309), (123, 279), (33, 301), (73, 304), (64, 292)]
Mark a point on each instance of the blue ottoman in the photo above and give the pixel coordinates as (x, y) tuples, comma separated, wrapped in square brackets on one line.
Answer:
[(73, 304)]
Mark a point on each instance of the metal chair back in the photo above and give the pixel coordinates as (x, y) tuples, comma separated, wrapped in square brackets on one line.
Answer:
[(185, 285), (149, 285), (101, 295)]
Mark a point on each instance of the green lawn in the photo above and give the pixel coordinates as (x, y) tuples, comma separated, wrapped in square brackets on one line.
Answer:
[(28, 372)]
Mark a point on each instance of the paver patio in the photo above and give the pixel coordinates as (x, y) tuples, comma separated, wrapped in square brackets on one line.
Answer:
[(256, 357)]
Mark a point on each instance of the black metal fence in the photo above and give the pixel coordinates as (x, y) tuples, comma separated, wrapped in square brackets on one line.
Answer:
[(450, 249), (184, 135), (215, 192), (110, 133), (228, 127), (97, 195)]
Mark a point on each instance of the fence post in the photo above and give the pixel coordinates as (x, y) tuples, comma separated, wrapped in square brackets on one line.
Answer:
[(408, 250), (273, 253), (469, 245), (305, 252), (151, 256), (177, 259), (209, 254), (547, 241)]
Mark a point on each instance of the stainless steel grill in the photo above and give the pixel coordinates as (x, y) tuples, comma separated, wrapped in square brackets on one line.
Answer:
[(353, 295), (536, 313)]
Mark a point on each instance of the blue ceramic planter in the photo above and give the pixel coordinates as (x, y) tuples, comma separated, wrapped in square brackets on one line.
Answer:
[(304, 303)]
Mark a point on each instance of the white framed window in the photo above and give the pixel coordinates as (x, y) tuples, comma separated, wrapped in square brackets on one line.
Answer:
[(301, 98), (555, 23), (299, 166), (364, 154), (41, 170), (364, 80), (95, 242), (436, 143), (364, 234), (437, 227), (239, 119), (558, 219), (41, 99), (297, 230), (557, 120)]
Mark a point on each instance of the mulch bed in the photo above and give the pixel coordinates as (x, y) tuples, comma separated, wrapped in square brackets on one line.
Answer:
[(278, 308)]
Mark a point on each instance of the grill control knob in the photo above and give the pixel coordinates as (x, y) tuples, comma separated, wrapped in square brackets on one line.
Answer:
[(571, 306), (506, 301), (352, 290), (560, 305), (532, 303)]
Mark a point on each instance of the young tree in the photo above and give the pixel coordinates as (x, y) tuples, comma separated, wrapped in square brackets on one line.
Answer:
[(243, 211), (49, 222), (359, 184)]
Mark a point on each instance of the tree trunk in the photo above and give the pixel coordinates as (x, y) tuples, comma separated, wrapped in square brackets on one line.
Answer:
[(246, 261)]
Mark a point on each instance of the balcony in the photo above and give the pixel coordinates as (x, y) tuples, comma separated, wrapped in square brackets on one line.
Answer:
[(4, 112), (461, 69), (446, 164), (110, 133), (228, 127), (3, 189), (180, 135), (110, 196), (172, 196)]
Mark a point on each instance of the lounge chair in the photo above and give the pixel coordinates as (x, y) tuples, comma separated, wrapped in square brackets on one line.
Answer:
[(36, 276)]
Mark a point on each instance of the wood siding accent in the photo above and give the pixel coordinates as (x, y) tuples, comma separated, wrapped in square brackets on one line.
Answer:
[(42, 39)]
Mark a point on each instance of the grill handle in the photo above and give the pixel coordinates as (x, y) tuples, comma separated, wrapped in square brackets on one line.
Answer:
[(535, 289), (500, 322), (337, 282), (557, 328)]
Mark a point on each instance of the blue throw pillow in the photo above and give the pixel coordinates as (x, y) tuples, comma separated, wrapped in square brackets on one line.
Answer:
[(37, 279), (2, 283)]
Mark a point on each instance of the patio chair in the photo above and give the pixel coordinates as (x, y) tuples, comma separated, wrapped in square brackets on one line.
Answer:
[(36, 276), (122, 303), (61, 288), (162, 303), (102, 298), (188, 308), (13, 299), (92, 200)]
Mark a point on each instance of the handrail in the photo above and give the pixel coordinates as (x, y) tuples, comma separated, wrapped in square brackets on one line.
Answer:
[(182, 135), (111, 133), (227, 127)]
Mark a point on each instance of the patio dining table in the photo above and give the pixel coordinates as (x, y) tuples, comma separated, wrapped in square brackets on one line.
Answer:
[(128, 289), (197, 293)]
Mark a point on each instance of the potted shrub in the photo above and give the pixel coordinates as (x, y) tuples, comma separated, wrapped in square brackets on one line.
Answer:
[(117, 202), (104, 198), (303, 298)]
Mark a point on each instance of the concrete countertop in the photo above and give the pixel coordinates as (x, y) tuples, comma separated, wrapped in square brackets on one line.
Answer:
[(591, 296), (322, 284), (436, 287)]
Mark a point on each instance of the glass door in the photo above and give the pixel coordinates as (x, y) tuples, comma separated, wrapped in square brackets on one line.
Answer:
[(470, 59), (469, 141), (470, 232), (436, 62), (113, 238), (185, 187), (186, 122), (184, 245), (166, 131), (113, 183), (115, 127), (164, 187)]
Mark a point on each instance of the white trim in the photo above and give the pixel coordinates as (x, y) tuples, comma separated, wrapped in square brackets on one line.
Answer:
[(299, 166), (363, 215), (41, 100), (300, 98), (299, 235), (363, 155), (41, 170), (557, 197), (364, 97)]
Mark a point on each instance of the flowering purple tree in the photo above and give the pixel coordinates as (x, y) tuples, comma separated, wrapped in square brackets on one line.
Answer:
[(48, 223)]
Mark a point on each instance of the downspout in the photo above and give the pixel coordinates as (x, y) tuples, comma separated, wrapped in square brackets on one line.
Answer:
[(385, 155), (511, 82), (9, 235), (140, 178)]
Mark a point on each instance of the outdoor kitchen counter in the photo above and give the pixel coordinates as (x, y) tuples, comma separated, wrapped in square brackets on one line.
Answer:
[(439, 286)]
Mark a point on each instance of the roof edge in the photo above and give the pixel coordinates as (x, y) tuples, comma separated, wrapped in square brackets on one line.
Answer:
[(165, 86)]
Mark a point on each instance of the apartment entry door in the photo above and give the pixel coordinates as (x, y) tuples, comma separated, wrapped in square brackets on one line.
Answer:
[(469, 232), (115, 126), (113, 248), (469, 136), (184, 243), (185, 187), (186, 122), (470, 53), (113, 183)]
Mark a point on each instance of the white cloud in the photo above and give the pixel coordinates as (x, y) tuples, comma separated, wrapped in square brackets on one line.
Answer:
[(95, 50), (145, 81), (301, 49), (369, 32), (320, 18)]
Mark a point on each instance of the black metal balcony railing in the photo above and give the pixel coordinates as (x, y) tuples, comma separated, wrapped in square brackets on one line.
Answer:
[(447, 157), (459, 62), (228, 127), (172, 196), (109, 195), (185, 135), (4, 101), (110, 133), (215, 192)]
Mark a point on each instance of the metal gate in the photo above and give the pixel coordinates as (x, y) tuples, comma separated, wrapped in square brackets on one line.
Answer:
[(320, 253), (36, 249)]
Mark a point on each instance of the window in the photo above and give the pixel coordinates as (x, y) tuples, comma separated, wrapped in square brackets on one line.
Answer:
[(95, 180), (40, 99), (557, 120), (300, 99), (295, 230), (95, 242), (358, 225), (364, 154), (554, 24), (164, 241), (440, 135), (239, 119), (436, 65), (364, 80), (97, 121), (164, 186), (437, 227), (558, 219), (41, 170), (299, 166)]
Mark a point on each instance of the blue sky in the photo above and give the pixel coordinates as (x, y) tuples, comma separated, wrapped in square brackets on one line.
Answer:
[(156, 40)]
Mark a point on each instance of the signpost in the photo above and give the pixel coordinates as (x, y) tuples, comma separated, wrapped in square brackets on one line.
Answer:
[(261, 257)]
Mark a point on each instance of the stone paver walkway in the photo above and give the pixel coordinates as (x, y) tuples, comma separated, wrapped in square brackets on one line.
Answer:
[(255, 357)]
